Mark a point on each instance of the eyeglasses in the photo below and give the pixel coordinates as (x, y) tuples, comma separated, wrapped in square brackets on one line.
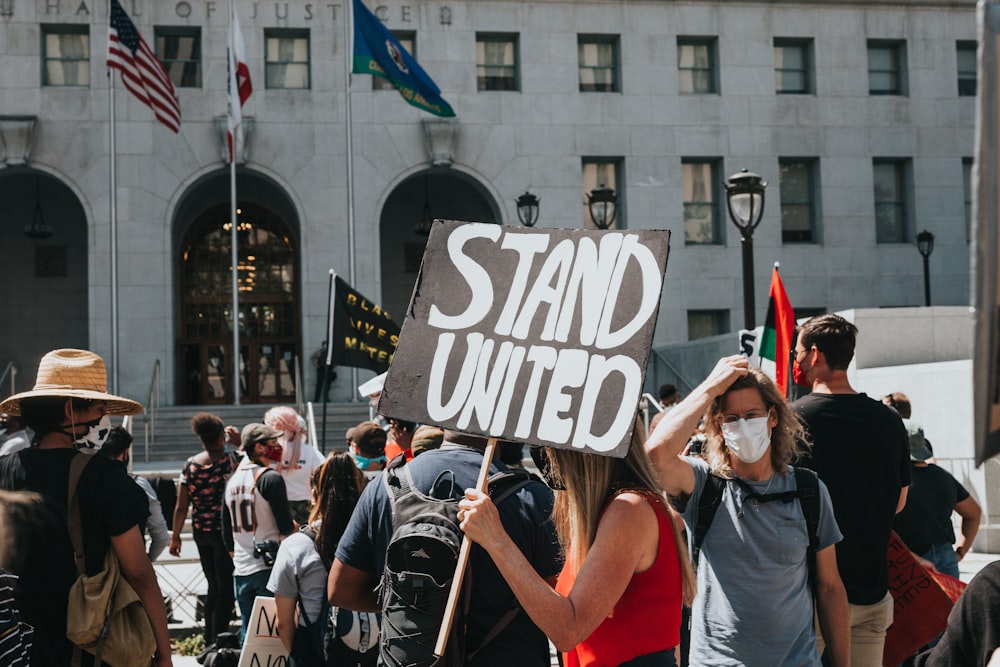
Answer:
[(799, 353), (750, 414)]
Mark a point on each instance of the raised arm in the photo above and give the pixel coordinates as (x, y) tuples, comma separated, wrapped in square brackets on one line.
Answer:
[(667, 441), (626, 541)]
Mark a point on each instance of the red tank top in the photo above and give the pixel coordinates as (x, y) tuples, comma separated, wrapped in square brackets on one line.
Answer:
[(647, 618)]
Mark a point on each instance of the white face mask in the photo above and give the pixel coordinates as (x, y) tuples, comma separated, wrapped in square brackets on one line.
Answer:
[(96, 435), (747, 439)]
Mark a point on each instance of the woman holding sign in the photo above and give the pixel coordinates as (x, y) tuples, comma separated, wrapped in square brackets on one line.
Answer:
[(618, 598), (744, 506)]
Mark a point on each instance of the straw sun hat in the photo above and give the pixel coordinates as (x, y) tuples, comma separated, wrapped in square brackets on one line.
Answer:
[(73, 374)]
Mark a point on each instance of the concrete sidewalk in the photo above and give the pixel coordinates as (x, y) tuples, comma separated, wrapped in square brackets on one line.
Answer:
[(970, 565)]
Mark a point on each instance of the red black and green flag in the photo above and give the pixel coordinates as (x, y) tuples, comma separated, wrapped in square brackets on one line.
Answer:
[(779, 328)]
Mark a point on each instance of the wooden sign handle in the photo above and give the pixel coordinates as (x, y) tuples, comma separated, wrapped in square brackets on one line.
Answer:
[(463, 559)]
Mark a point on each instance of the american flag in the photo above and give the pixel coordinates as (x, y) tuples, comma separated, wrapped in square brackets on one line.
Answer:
[(142, 73)]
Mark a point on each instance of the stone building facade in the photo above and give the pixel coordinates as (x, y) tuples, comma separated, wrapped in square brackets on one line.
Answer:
[(860, 117)]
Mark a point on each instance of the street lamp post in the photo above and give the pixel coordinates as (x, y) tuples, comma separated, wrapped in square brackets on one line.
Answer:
[(925, 246), (745, 203), (527, 209), (603, 204)]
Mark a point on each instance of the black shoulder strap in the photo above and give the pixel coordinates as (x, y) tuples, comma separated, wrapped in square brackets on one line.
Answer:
[(708, 503), (808, 487), (503, 485)]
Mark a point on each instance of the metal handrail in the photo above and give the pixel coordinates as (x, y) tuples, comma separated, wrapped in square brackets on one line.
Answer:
[(673, 370), (12, 370), (152, 403)]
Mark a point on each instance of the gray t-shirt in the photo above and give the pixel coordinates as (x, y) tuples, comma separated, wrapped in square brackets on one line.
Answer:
[(754, 606), (297, 556)]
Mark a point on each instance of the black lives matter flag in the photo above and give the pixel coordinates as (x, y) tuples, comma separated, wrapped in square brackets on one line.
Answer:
[(533, 335), (362, 334)]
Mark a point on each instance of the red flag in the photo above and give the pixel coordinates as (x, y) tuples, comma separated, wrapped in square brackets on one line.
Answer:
[(239, 84), (142, 74), (779, 327)]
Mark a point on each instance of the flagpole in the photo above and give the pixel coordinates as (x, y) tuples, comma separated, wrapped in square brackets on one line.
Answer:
[(113, 224), (233, 237), (328, 361), (348, 52)]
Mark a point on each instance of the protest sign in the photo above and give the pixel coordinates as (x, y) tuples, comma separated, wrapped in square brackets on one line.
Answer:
[(921, 603), (535, 335), (263, 647)]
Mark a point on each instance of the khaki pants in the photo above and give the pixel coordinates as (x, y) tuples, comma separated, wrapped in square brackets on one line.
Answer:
[(869, 623)]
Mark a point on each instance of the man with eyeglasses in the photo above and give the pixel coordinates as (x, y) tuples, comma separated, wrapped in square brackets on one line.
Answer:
[(861, 451)]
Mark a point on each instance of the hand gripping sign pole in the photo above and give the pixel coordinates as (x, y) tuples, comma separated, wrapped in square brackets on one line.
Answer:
[(463, 559)]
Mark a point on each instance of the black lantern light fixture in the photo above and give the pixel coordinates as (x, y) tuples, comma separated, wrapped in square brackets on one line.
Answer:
[(527, 209), (37, 229), (925, 246), (603, 204), (745, 203)]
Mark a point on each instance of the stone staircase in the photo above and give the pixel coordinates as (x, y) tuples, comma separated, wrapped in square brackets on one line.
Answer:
[(166, 439)]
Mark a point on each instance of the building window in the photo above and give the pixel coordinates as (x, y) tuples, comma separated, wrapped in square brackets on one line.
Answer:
[(66, 55), (696, 70), (793, 66), (966, 56), (406, 39), (598, 56), (700, 182), (607, 172), (705, 323), (967, 195), (286, 59), (798, 200), (886, 68), (497, 62), (891, 186), (179, 49)]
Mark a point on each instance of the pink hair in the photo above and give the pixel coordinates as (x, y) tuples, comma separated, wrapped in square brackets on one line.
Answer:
[(286, 420)]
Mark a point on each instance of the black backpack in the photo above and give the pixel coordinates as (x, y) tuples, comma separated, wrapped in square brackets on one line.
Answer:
[(223, 652), (806, 492), (420, 564)]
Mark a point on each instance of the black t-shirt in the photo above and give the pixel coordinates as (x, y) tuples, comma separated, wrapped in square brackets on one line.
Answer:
[(110, 504), (926, 519), (862, 452)]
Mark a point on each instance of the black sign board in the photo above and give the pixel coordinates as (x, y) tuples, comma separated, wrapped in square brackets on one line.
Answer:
[(532, 335)]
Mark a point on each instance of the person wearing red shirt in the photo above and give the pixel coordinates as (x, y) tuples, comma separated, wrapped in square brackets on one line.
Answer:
[(618, 597)]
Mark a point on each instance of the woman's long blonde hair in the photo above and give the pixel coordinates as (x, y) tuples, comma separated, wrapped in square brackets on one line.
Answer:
[(589, 480), (788, 438)]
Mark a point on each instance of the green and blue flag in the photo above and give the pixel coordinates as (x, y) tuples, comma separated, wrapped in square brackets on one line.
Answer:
[(378, 53)]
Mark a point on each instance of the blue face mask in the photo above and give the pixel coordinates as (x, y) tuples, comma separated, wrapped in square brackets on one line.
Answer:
[(363, 461)]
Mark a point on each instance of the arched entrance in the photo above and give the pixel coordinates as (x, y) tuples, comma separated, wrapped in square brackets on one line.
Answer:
[(44, 255), (268, 286), (433, 193)]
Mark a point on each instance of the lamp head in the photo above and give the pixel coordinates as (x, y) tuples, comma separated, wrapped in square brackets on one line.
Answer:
[(745, 199), (603, 204)]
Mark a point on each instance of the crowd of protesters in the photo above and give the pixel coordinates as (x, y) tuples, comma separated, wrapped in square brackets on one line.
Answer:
[(773, 532)]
